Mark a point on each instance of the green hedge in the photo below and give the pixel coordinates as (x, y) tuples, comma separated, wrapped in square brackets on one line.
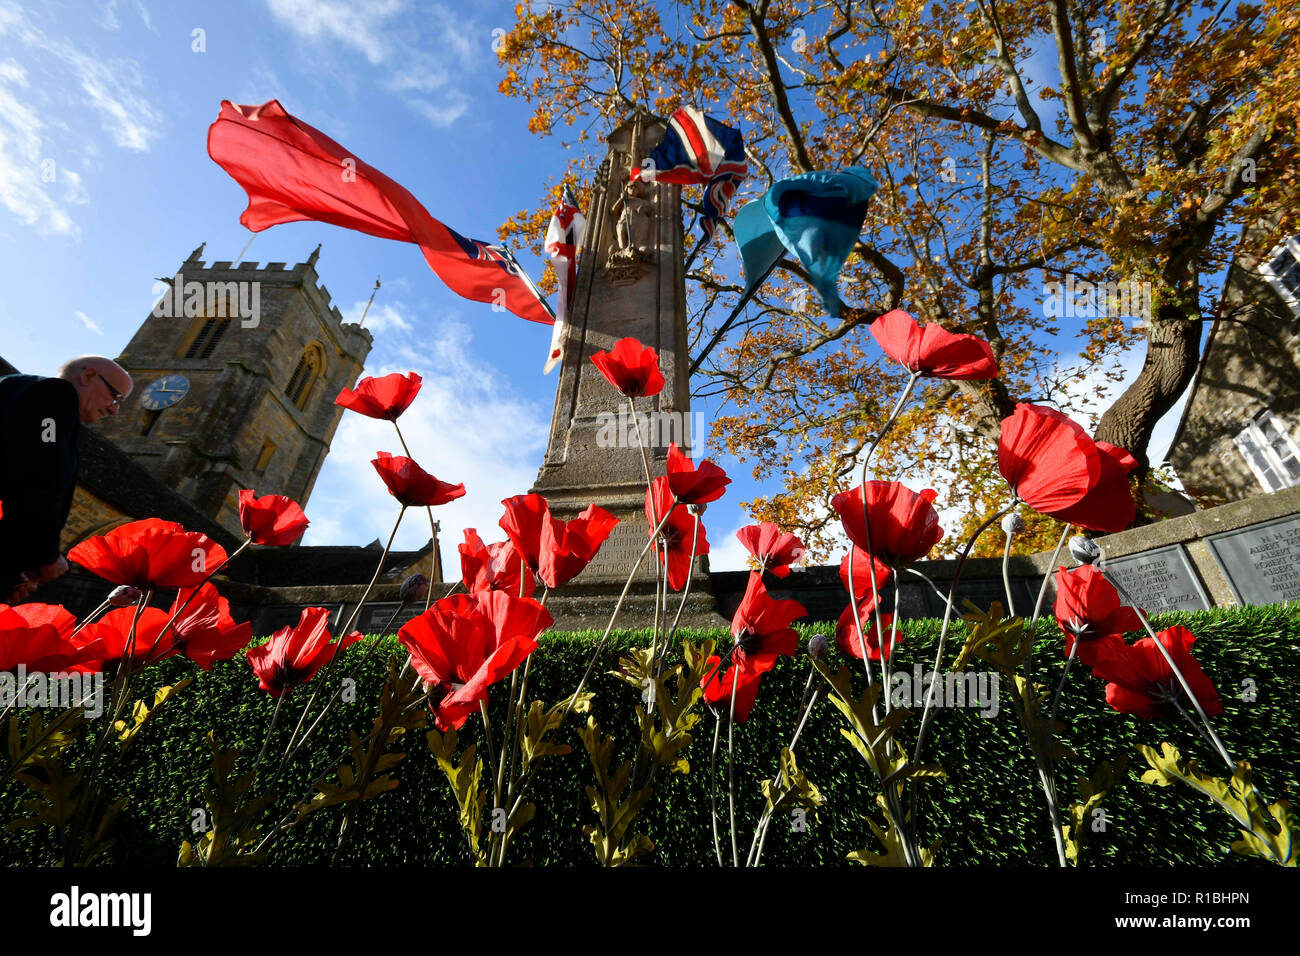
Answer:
[(987, 812)]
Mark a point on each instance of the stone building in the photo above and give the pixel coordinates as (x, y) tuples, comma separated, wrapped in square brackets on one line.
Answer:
[(1240, 432), (236, 371)]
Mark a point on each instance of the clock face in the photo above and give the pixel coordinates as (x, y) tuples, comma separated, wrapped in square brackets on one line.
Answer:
[(164, 392)]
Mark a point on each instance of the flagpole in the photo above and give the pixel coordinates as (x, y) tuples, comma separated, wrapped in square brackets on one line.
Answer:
[(240, 258), (722, 329), (366, 310)]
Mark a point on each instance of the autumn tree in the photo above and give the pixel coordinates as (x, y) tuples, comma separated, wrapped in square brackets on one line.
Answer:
[(1016, 145)]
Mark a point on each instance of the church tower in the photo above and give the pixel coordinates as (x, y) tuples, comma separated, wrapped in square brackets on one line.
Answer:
[(236, 370)]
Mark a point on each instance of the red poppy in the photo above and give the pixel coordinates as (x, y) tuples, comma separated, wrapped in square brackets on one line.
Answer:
[(568, 546), (673, 545), (761, 628), (39, 637), (904, 524), (691, 485), (465, 643), (205, 632), (293, 655), (384, 397), (1139, 681), (1052, 465), (150, 554), (1088, 608), (111, 634), (774, 550), (525, 515), (718, 689), (412, 485), (931, 349), (493, 567), (631, 367), (876, 638), (272, 519), (861, 584)]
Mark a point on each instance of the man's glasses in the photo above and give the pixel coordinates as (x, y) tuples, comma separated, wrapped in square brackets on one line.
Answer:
[(118, 397)]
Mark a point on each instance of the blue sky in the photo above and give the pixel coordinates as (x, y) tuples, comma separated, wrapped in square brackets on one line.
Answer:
[(105, 184)]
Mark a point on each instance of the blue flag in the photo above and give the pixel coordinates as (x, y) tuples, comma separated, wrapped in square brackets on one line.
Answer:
[(818, 217)]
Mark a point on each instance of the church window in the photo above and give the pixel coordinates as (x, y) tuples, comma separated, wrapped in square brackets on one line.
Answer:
[(1282, 271), (148, 420), (305, 373), (264, 458), (209, 335), (1266, 445)]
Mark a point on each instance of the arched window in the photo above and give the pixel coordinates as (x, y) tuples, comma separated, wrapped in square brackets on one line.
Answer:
[(305, 373), (209, 334)]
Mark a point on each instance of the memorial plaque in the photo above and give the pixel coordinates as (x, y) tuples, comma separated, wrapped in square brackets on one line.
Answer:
[(1159, 580), (1261, 561), (375, 617)]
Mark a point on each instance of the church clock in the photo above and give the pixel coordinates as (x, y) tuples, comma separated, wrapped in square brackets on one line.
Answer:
[(164, 392)]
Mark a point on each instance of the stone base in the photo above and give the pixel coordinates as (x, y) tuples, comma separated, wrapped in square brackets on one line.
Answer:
[(579, 607)]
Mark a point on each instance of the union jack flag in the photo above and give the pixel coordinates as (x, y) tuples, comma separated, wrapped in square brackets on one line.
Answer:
[(698, 149), (563, 237)]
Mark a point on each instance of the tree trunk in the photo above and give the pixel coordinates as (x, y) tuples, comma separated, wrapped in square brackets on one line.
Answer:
[(1173, 350)]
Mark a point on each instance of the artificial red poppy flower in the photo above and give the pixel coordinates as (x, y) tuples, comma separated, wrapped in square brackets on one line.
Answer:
[(876, 638), (673, 544), (862, 566), (205, 632), (1139, 681), (718, 690), (493, 567), (774, 549), (293, 655), (525, 515), (39, 637), (1088, 608), (761, 627), (631, 367), (465, 643), (568, 546), (384, 397), (412, 485), (1052, 465), (110, 636), (150, 554), (272, 519), (691, 485), (931, 349), (904, 524)]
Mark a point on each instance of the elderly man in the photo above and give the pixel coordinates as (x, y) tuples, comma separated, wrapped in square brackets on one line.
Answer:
[(39, 422)]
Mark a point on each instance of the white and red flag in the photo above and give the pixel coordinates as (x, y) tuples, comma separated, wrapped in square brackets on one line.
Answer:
[(563, 237)]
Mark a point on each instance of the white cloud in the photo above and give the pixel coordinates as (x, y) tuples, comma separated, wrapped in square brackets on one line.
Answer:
[(467, 425), (380, 318), (422, 57), (111, 22), (34, 186), (89, 323)]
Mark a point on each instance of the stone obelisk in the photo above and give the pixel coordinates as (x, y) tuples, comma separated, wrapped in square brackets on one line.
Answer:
[(630, 282)]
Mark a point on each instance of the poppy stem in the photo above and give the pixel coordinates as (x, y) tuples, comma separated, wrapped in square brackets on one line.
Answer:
[(713, 787), (1038, 605), (89, 618), (731, 769), (1164, 651), (496, 793), (342, 633), (271, 729), (1006, 575), (640, 442), (765, 822), (686, 591)]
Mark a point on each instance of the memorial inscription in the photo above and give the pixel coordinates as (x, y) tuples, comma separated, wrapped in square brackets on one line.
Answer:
[(1261, 561), (1159, 580)]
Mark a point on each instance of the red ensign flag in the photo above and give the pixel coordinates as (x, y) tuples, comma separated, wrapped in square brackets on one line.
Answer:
[(293, 172)]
